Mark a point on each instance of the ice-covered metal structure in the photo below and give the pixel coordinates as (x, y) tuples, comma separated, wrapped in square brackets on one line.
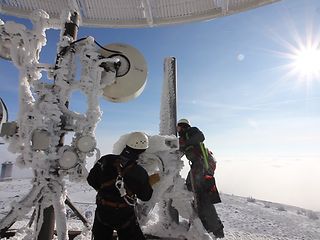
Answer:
[(44, 118)]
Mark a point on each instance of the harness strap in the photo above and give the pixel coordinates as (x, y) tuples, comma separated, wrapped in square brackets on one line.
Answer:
[(108, 183), (204, 152), (119, 183), (112, 204), (111, 182), (205, 155)]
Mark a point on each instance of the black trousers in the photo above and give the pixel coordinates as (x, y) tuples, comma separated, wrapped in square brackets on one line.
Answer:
[(208, 214), (206, 209), (123, 220)]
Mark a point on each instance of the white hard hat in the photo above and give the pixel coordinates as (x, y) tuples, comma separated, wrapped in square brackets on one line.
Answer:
[(184, 121), (138, 140)]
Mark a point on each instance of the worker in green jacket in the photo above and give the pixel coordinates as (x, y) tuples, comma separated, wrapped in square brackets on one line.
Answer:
[(201, 178)]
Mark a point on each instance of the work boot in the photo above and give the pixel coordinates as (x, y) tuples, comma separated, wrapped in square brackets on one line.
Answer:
[(219, 232)]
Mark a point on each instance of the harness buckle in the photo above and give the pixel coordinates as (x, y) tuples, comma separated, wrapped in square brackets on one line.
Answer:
[(120, 186)]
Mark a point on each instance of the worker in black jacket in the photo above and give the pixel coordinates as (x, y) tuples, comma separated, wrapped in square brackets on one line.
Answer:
[(119, 181), (201, 178)]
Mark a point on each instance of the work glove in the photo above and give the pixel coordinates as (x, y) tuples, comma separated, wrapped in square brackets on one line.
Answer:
[(154, 178), (209, 183)]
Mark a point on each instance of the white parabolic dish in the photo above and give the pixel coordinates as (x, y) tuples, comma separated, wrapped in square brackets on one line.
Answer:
[(132, 79), (133, 13)]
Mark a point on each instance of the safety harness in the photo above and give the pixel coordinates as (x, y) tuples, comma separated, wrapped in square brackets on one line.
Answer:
[(204, 152), (206, 157), (129, 199), (118, 182), (208, 166)]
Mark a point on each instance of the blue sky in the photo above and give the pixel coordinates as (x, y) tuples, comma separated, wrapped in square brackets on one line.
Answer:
[(237, 82)]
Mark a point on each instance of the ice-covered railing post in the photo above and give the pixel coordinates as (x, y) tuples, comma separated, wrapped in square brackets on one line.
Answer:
[(168, 110), (161, 158), (168, 121)]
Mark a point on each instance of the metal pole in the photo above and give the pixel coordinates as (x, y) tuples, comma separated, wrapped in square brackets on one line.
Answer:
[(76, 211), (168, 115), (168, 111), (47, 227)]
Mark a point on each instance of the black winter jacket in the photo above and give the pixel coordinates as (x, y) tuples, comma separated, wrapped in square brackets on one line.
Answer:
[(190, 140), (192, 136), (135, 177)]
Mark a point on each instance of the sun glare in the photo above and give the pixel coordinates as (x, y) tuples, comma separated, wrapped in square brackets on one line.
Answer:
[(306, 62), (301, 50)]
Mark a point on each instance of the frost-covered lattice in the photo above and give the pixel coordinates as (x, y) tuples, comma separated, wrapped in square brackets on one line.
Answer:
[(44, 117)]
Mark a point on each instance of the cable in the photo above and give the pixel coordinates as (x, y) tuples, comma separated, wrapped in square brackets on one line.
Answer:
[(64, 50), (109, 50), (67, 48)]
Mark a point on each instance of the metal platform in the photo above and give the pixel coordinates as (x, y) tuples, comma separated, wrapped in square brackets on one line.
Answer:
[(74, 233), (133, 13)]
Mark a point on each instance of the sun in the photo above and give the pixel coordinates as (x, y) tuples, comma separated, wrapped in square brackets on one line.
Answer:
[(306, 62), (301, 52), (303, 61)]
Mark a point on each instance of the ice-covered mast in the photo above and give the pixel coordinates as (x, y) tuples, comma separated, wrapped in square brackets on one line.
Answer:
[(170, 194)]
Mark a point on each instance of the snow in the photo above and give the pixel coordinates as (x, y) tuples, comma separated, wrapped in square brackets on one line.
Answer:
[(242, 218)]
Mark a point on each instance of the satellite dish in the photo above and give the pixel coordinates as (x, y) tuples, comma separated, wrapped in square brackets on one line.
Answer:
[(68, 159), (86, 143), (40, 140), (4, 45), (133, 14), (5, 50), (3, 113), (131, 76)]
